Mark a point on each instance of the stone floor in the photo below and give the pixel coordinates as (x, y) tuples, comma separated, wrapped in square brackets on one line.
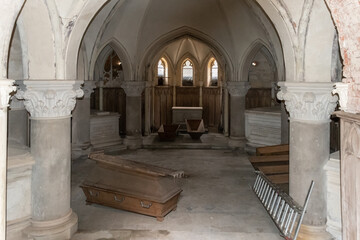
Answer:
[(216, 202)]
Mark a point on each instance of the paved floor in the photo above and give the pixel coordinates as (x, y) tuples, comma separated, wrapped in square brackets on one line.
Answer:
[(216, 203)]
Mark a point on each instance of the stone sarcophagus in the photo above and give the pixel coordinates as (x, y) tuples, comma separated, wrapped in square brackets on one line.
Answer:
[(132, 186)]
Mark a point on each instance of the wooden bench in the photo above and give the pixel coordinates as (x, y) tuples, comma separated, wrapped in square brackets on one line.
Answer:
[(282, 149), (283, 210), (269, 159)]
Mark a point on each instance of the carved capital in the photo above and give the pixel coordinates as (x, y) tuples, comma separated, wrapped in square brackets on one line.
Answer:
[(133, 88), (6, 87), (50, 98), (88, 88), (308, 101), (341, 89), (238, 89)]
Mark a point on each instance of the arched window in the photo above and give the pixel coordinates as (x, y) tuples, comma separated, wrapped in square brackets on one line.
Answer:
[(113, 69), (162, 72), (187, 73), (213, 72)]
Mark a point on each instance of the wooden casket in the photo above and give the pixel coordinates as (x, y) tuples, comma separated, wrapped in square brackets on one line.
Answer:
[(132, 186), (168, 132), (195, 128)]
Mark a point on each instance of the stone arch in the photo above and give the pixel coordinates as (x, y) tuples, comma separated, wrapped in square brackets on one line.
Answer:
[(76, 34), (285, 28), (249, 55), (115, 45), (220, 53)]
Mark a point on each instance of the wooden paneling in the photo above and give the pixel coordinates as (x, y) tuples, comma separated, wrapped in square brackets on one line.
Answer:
[(187, 96), (114, 101), (258, 97), (163, 102), (211, 108)]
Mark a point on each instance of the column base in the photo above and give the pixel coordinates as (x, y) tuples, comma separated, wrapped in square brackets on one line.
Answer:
[(62, 228), (314, 233), (133, 142), (14, 229), (237, 142), (80, 149)]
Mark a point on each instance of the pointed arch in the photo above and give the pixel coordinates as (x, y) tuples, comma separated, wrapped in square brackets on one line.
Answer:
[(115, 45), (220, 53), (250, 54)]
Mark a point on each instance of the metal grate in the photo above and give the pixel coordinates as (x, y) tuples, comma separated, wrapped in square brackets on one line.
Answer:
[(283, 210)]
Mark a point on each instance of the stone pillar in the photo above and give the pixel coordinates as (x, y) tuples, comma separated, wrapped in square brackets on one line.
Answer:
[(18, 122), (133, 90), (310, 106), (284, 125), (201, 84), (101, 95), (237, 92), (50, 103), (5, 89), (148, 107), (81, 123), (226, 110)]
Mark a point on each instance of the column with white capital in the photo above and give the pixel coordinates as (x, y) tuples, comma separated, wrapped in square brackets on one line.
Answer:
[(310, 106), (50, 103)]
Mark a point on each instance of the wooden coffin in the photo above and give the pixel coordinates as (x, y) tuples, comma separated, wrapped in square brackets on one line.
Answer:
[(168, 132), (130, 186), (195, 128)]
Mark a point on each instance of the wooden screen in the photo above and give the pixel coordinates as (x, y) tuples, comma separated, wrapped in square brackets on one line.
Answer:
[(211, 108), (114, 101), (163, 102), (258, 97), (187, 96)]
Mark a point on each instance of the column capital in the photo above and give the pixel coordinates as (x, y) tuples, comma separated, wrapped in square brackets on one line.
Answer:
[(88, 88), (49, 98), (6, 87), (238, 89), (308, 101), (133, 88)]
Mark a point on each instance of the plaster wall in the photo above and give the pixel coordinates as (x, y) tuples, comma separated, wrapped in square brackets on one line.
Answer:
[(15, 67), (261, 75)]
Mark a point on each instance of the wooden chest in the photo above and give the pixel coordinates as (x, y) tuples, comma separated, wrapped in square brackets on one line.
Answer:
[(131, 186)]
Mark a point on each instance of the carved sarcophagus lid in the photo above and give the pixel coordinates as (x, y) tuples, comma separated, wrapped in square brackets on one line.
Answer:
[(132, 186)]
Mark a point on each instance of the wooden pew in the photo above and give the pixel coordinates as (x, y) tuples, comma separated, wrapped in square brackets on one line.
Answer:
[(273, 150), (269, 159), (277, 169)]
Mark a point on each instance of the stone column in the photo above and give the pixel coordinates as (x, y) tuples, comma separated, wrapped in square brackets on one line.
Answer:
[(310, 106), (226, 110), (5, 89), (133, 90), (237, 92), (50, 103), (148, 107), (81, 123), (18, 122), (201, 84)]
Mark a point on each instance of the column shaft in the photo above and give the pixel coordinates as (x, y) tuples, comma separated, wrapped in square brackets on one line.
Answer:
[(133, 116), (237, 117), (50, 146), (309, 152)]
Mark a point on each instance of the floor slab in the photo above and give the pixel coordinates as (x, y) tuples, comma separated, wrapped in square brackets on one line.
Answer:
[(216, 203)]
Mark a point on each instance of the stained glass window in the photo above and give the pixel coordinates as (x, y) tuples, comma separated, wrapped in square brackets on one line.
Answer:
[(214, 73), (187, 73)]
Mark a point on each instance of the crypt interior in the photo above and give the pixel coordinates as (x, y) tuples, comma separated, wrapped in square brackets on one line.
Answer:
[(81, 77)]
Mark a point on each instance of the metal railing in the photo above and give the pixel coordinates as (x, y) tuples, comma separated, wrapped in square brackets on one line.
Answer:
[(283, 210)]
